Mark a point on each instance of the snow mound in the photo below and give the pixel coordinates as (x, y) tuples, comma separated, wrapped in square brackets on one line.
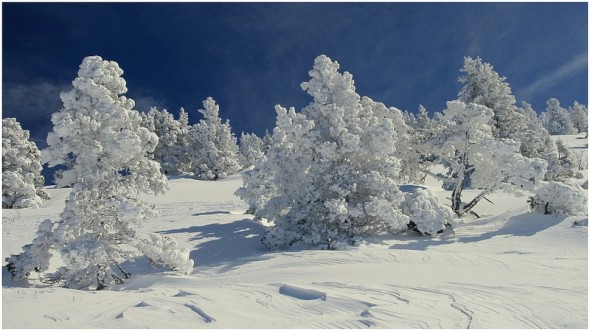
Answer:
[(301, 293)]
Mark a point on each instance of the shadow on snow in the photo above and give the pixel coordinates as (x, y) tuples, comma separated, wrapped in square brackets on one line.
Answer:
[(523, 225), (228, 244), (216, 212)]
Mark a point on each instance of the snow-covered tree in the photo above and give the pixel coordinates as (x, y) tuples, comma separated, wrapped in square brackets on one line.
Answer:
[(462, 140), (22, 182), (558, 198), (530, 115), (535, 137), (409, 118), (408, 147), (215, 150), (405, 149), (556, 119), (537, 143), (422, 119), (484, 86), (251, 149), (579, 116), (267, 140), (567, 164), (331, 167), (258, 187), (172, 149), (98, 131)]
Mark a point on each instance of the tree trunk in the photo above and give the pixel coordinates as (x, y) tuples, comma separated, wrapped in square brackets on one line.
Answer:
[(457, 204), (467, 207)]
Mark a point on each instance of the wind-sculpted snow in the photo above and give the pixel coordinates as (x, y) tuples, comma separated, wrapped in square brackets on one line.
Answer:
[(508, 269), (301, 293)]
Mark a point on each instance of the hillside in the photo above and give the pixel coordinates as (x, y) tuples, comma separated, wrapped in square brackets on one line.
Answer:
[(508, 269)]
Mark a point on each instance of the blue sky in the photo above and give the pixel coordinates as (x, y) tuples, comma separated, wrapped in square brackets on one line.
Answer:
[(251, 56)]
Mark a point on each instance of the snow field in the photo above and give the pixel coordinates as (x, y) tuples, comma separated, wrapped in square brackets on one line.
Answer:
[(508, 269)]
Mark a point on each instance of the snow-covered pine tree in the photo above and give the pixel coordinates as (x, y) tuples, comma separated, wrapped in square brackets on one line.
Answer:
[(100, 133), (214, 147), (409, 118), (530, 115), (251, 149), (258, 187), (405, 150), (556, 119), (330, 168), (579, 116), (22, 182), (567, 165), (536, 141), (462, 140), (408, 150), (483, 86), (172, 149), (422, 119)]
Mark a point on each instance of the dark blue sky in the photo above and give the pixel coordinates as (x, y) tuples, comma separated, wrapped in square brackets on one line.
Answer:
[(251, 56)]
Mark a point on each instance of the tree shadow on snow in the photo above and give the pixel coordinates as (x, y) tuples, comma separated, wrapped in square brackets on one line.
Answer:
[(228, 245), (523, 225), (216, 212)]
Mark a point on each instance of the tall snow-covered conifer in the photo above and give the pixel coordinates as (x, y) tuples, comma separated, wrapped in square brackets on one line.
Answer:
[(22, 182), (536, 141), (172, 149), (215, 149), (556, 119), (483, 86), (422, 120), (99, 133), (251, 149), (579, 116), (332, 167)]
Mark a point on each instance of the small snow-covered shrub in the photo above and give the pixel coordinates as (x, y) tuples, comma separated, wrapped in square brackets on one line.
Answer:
[(162, 250), (559, 199), (427, 214)]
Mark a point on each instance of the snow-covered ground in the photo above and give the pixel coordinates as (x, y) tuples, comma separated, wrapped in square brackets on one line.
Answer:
[(508, 269)]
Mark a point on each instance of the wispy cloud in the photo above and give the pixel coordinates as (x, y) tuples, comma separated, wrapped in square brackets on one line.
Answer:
[(33, 104), (144, 102), (575, 65)]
